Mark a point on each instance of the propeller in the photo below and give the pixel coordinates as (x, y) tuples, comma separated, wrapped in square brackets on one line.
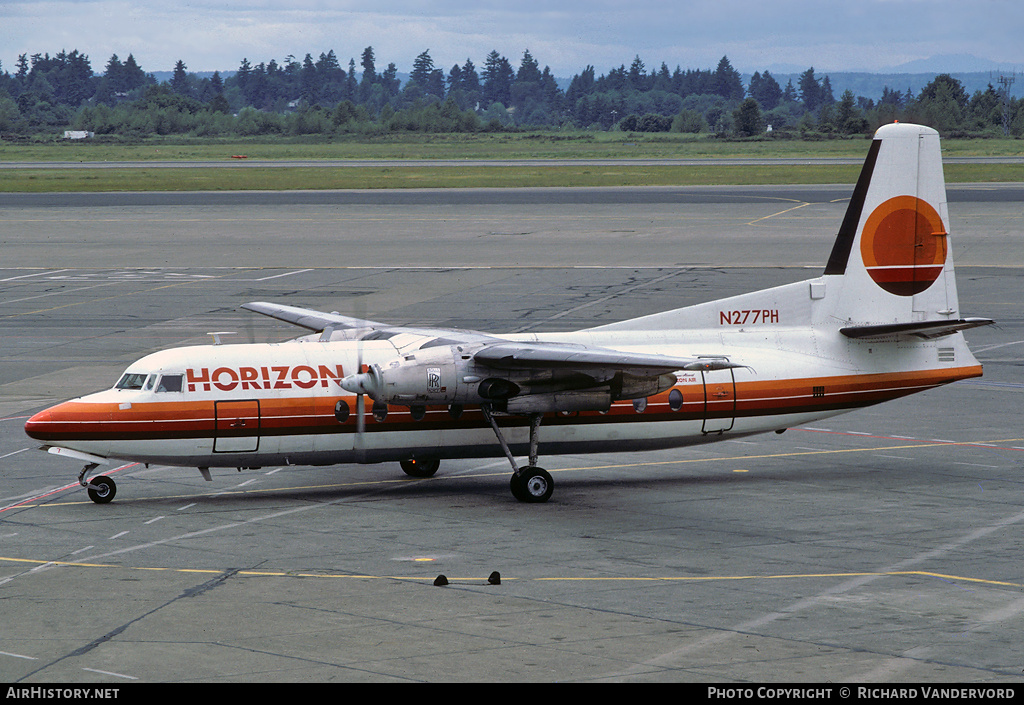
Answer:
[(359, 384), (366, 382), (360, 445)]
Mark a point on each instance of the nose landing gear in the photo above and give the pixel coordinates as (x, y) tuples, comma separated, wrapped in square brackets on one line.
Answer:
[(101, 488)]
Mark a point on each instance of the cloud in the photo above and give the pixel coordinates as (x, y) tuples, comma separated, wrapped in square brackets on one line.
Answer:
[(567, 36)]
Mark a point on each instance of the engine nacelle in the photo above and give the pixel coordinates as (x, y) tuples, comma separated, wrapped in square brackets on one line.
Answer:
[(440, 375), (448, 374), (626, 386), (429, 376)]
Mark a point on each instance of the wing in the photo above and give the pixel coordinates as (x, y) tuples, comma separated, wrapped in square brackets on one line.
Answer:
[(588, 359), (503, 354), (509, 375), (308, 318), (540, 377), (334, 326)]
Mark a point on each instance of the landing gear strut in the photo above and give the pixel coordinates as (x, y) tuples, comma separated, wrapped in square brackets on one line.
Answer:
[(101, 488), (529, 484)]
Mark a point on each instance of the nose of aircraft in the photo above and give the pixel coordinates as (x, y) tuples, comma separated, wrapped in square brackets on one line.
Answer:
[(36, 427), (51, 424)]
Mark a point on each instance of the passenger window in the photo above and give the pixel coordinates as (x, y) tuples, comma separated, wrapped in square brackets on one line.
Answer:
[(169, 383)]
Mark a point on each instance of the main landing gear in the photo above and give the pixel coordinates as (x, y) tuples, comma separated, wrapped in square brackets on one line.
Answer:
[(420, 467), (101, 488), (531, 483)]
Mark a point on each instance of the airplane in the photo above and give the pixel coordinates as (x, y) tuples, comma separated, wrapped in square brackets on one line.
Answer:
[(881, 322)]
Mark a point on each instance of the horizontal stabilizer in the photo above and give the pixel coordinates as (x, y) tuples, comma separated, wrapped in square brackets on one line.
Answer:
[(920, 329)]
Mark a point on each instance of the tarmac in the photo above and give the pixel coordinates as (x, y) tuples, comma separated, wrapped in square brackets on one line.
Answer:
[(878, 546)]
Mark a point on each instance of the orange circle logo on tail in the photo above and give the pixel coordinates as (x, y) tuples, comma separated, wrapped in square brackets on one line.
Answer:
[(904, 245)]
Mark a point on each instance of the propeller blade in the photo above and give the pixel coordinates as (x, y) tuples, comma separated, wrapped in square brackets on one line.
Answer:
[(360, 403)]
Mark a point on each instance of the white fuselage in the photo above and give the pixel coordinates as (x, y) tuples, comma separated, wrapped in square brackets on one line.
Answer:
[(263, 404)]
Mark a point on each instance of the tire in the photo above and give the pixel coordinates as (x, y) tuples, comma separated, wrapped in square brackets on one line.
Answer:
[(102, 489), (420, 467), (532, 485)]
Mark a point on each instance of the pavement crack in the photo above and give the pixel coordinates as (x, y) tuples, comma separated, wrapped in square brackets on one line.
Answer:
[(194, 591)]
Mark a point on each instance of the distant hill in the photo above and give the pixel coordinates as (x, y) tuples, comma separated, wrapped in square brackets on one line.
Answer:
[(165, 76), (949, 63)]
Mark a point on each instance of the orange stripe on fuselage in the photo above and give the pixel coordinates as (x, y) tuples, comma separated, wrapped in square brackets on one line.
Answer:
[(195, 418)]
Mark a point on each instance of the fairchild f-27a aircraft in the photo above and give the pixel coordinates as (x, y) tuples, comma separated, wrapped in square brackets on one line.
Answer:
[(881, 322)]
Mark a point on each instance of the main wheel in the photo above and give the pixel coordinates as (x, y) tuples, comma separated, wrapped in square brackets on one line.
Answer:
[(102, 489), (420, 467), (532, 485)]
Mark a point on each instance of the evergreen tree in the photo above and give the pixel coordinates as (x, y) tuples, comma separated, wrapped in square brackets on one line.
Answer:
[(369, 68), (310, 82), (114, 73), (765, 90), (454, 79), (369, 77), (22, 72), (944, 87), (351, 87), (497, 79), (942, 104), (470, 78), (390, 81), (582, 84), (179, 81), (637, 75), (825, 95), (849, 119), (422, 67), (810, 90), (526, 86), (747, 118), (985, 109), (789, 94), (727, 81), (663, 79), (529, 69)]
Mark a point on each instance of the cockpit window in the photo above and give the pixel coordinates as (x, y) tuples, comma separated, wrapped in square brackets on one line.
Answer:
[(131, 381), (169, 383)]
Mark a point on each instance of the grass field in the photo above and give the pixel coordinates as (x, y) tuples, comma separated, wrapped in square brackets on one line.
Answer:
[(546, 145), (282, 179)]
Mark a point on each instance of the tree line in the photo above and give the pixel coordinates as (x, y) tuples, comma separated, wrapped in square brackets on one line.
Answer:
[(319, 96)]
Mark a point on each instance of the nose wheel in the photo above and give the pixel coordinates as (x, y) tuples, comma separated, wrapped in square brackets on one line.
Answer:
[(101, 488)]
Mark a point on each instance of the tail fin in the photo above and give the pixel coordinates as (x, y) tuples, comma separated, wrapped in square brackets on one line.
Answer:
[(891, 268), (892, 263)]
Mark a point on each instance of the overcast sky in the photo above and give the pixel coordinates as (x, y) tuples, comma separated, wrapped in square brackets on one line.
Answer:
[(830, 35)]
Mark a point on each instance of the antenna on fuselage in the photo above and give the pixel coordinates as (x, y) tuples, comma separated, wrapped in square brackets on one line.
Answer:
[(218, 334)]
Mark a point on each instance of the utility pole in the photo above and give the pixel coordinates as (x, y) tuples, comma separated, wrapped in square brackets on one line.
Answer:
[(1005, 82)]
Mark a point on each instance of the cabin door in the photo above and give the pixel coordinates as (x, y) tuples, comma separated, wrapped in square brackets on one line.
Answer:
[(237, 426), (719, 400)]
